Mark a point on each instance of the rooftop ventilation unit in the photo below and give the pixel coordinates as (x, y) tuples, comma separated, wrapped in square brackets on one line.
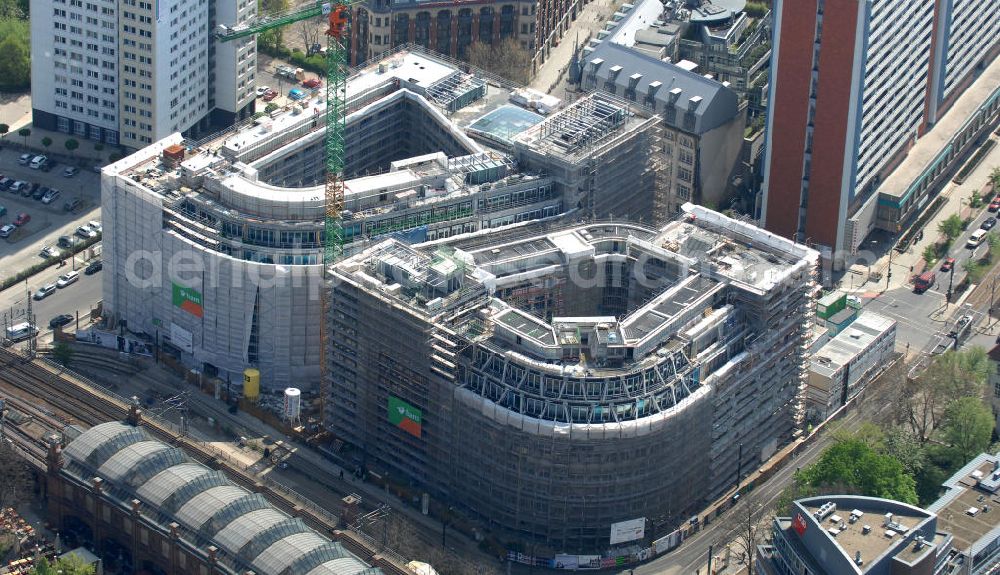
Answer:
[(825, 510), (857, 558)]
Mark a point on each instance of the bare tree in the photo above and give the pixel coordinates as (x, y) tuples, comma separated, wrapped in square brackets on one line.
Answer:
[(16, 478), (507, 59), (746, 524), (309, 32)]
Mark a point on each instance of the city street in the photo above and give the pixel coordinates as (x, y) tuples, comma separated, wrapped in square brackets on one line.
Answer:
[(79, 297)]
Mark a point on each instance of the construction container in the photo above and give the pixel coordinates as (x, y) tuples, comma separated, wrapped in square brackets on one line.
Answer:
[(293, 404), (251, 384)]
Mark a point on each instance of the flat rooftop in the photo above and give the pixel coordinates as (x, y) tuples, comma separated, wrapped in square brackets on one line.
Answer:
[(850, 342), (918, 159), (849, 536), (970, 512)]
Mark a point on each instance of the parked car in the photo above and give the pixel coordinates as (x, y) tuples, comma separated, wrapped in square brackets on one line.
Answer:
[(37, 162), (67, 241), (85, 232), (988, 223), (3, 211), (96, 226), (22, 219), (50, 197), (19, 186), (47, 165), (270, 95), (50, 252), (261, 90), (296, 94), (24, 160), (68, 278), (94, 267), (34, 187), (6, 183), (312, 83), (71, 205), (60, 320), (40, 192), (45, 291), (97, 169), (994, 205), (7, 230), (25, 190), (948, 264), (70, 171)]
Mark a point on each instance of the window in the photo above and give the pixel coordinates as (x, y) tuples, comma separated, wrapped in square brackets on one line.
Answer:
[(996, 388)]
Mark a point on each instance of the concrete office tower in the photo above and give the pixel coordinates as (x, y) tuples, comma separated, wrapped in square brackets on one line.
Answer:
[(246, 206), (128, 72), (854, 85), (556, 384)]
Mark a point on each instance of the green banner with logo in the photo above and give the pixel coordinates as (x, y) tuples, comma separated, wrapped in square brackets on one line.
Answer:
[(188, 299), (404, 416)]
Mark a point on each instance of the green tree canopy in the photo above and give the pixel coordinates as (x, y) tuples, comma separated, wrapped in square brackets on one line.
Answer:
[(967, 427), (15, 66), (46, 141), (951, 375), (68, 565), (855, 465), (951, 227)]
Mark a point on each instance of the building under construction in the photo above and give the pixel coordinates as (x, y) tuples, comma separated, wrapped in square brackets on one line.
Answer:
[(431, 151), (557, 384)]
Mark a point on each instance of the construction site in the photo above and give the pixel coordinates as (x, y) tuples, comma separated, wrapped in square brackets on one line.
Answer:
[(430, 150), (553, 385)]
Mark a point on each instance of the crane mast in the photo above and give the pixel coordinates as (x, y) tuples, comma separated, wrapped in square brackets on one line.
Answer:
[(333, 141)]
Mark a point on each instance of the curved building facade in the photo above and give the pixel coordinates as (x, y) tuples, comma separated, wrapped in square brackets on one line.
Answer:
[(556, 385)]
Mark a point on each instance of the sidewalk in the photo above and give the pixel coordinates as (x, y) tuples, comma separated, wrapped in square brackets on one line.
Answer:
[(910, 262), (552, 73)]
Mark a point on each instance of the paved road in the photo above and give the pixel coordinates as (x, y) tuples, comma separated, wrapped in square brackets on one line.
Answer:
[(79, 297)]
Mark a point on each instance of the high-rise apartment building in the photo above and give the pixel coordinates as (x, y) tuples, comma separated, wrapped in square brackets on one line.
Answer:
[(130, 72), (853, 86)]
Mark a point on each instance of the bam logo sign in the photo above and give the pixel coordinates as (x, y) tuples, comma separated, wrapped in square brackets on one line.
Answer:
[(188, 299), (404, 416)]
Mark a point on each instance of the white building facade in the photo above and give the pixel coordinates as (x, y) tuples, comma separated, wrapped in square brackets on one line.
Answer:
[(131, 72)]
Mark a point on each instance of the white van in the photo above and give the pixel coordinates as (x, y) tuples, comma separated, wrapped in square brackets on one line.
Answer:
[(37, 162), (20, 332), (976, 238)]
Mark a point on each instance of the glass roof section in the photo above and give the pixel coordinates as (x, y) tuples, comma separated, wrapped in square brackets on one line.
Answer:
[(285, 551), (203, 506), (236, 508), (121, 463), (164, 484), (234, 536)]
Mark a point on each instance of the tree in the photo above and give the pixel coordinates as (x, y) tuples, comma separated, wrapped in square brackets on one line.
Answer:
[(975, 200), (967, 427), (71, 564), (853, 465), (951, 227), (23, 132), (72, 145), (951, 375), (270, 107), (309, 33), (15, 66), (900, 443), (507, 60), (974, 270), (16, 478), (995, 179), (271, 39), (46, 141), (4, 128), (62, 353), (747, 522), (992, 243), (930, 254)]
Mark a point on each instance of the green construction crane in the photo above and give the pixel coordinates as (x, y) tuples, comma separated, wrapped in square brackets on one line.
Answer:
[(336, 109)]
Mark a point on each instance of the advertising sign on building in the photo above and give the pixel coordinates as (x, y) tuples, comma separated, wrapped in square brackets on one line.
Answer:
[(404, 416), (628, 530), (181, 338), (188, 299)]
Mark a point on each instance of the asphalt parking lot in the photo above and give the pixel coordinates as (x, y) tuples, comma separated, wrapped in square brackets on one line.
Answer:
[(48, 222)]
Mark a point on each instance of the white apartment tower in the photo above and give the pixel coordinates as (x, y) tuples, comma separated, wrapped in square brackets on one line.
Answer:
[(130, 72)]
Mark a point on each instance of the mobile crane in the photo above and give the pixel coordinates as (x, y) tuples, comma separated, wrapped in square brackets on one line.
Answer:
[(333, 142)]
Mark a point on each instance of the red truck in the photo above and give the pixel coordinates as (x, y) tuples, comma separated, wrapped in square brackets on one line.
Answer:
[(924, 282)]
